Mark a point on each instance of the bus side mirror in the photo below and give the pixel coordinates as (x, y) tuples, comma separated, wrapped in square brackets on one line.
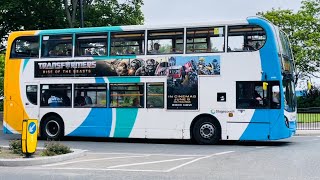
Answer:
[(264, 86)]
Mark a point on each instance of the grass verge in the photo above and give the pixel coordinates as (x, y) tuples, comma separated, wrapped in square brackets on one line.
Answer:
[(308, 118)]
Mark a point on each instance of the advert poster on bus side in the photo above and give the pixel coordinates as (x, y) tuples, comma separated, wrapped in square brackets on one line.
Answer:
[(77, 68), (181, 72), (182, 81)]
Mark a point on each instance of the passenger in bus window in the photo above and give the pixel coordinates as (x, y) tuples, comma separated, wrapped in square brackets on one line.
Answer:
[(258, 98), (60, 52), (79, 100), (65, 99), (275, 99), (69, 52), (87, 98), (156, 48), (129, 51), (257, 46), (88, 52), (44, 98), (52, 53), (248, 47), (257, 95), (136, 102)]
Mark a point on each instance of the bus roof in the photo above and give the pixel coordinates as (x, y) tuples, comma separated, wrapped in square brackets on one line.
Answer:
[(139, 27)]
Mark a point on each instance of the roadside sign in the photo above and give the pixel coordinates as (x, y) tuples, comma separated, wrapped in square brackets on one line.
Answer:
[(29, 136)]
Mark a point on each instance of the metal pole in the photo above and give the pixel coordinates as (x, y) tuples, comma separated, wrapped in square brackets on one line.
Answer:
[(81, 14)]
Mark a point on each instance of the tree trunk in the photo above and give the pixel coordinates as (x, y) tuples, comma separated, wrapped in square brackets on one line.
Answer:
[(74, 10), (67, 11)]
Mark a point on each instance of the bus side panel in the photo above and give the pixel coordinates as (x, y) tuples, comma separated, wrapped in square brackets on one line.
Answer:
[(259, 126), (271, 67), (87, 122), (234, 67), (126, 118), (14, 109), (278, 129), (209, 86), (260, 131), (159, 123), (96, 124), (239, 124)]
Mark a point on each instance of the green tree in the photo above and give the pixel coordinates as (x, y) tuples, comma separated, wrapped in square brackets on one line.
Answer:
[(111, 12), (30, 15), (53, 14), (303, 29)]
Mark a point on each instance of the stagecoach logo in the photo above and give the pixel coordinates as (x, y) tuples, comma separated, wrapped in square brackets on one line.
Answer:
[(221, 111), (67, 65)]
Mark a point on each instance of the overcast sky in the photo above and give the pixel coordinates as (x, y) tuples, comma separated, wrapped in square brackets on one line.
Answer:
[(158, 12), (189, 11)]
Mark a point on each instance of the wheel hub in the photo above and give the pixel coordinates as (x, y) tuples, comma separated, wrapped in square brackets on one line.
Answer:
[(207, 130), (52, 128)]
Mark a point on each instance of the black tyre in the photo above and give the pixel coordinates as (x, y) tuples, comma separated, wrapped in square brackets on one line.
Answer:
[(206, 131), (52, 128)]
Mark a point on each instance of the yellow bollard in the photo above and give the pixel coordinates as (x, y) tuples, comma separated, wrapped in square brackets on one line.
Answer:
[(29, 137)]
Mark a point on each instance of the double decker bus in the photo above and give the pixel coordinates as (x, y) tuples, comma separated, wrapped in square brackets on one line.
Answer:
[(206, 82)]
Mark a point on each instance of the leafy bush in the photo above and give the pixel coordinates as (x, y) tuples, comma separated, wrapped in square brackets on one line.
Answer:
[(55, 148), (15, 146), (1, 105), (310, 99)]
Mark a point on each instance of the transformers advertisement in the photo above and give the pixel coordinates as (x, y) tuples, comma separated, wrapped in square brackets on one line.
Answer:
[(181, 71)]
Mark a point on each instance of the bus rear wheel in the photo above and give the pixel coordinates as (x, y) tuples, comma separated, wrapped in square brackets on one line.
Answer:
[(206, 131), (52, 128)]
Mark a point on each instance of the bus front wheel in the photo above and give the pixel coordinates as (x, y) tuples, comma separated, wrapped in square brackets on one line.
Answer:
[(52, 128), (206, 131)]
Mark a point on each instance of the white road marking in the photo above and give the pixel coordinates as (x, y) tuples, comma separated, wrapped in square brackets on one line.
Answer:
[(198, 159), (96, 169), (195, 155), (149, 162), (87, 160), (117, 168), (303, 136), (260, 147), (312, 140)]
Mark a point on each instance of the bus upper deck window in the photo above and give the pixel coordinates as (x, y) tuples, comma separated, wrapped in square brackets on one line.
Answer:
[(127, 43), (91, 45), (168, 41), (56, 46), (26, 46), (245, 38), (205, 40)]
